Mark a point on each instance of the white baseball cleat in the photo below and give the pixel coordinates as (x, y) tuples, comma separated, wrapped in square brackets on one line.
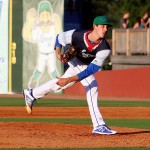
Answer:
[(29, 100), (103, 129)]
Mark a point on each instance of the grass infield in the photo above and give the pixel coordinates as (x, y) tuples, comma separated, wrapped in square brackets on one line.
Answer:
[(73, 103), (131, 123)]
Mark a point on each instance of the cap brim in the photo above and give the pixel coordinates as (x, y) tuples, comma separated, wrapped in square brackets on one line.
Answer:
[(109, 25)]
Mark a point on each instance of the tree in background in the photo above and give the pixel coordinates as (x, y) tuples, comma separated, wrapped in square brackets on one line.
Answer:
[(135, 7), (114, 9)]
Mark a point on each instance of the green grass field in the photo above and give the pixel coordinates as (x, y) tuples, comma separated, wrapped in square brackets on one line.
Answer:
[(74, 103), (131, 123)]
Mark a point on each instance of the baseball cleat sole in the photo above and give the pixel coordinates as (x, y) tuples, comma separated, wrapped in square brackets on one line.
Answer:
[(29, 111)]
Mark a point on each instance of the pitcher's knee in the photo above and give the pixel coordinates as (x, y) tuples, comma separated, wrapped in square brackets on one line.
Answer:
[(92, 85)]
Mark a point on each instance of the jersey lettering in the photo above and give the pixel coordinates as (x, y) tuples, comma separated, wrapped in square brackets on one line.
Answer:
[(83, 53)]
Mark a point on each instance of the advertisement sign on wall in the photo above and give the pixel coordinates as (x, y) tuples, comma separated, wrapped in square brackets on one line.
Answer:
[(4, 46), (43, 20), (0, 9)]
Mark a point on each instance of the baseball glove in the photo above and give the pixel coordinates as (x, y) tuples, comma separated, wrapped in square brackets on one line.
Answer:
[(69, 54)]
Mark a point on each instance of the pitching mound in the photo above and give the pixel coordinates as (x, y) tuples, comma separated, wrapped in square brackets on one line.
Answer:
[(52, 135)]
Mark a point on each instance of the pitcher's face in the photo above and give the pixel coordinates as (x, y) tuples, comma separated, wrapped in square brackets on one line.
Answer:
[(101, 30)]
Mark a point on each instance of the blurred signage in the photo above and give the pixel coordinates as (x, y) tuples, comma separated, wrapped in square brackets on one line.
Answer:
[(4, 8), (43, 20), (0, 9)]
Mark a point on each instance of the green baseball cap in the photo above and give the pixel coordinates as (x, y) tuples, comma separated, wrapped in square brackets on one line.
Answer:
[(44, 6), (101, 20)]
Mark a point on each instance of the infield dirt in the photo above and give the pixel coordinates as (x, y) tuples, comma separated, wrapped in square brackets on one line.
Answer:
[(56, 135)]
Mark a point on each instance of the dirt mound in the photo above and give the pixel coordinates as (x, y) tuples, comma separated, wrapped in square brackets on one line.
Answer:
[(50, 135), (47, 135)]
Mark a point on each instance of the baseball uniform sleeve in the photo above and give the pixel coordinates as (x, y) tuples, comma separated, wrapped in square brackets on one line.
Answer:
[(65, 37), (57, 44)]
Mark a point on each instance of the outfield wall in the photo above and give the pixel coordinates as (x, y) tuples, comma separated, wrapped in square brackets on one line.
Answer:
[(130, 83)]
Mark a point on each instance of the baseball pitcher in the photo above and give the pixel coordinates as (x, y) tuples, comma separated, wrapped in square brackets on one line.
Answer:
[(92, 49)]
